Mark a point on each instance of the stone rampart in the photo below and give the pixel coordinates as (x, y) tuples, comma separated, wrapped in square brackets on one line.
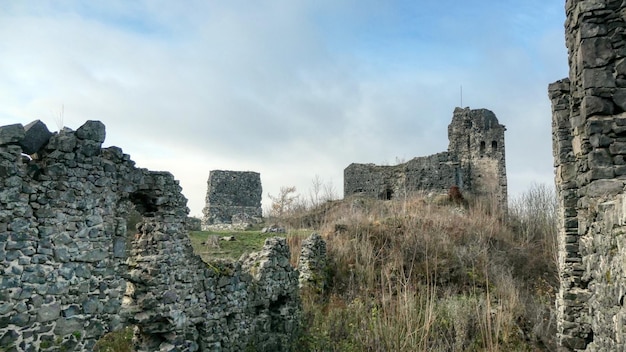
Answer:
[(72, 270), (589, 144)]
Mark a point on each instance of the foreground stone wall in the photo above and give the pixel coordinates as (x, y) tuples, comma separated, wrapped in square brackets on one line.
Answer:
[(72, 270), (589, 143), (233, 198), (475, 162)]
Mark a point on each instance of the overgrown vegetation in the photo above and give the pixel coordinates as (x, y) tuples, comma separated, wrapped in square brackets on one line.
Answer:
[(116, 341), (415, 275)]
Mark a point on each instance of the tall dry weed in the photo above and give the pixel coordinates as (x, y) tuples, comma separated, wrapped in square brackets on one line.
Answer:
[(411, 275)]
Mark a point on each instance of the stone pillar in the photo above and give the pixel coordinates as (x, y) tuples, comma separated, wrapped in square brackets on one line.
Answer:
[(312, 264), (589, 142)]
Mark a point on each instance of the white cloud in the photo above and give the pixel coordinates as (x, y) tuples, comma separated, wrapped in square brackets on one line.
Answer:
[(288, 89)]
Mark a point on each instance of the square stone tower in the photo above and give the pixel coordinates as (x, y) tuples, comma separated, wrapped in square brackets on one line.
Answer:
[(233, 199)]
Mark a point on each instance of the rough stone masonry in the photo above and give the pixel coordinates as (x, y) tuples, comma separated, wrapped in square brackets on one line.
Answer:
[(72, 271), (475, 162), (589, 145), (233, 200)]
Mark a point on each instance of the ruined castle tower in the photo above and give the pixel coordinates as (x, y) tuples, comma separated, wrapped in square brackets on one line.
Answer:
[(475, 162), (477, 140)]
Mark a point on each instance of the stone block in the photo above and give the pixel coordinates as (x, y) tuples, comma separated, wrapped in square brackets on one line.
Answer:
[(89, 148), (597, 78), (619, 98), (577, 145), (66, 326), (575, 343), (595, 52), (48, 312), (593, 105), (36, 135), (620, 67), (600, 140), (119, 247), (589, 30), (95, 255), (599, 158), (620, 170), (618, 148), (599, 188), (588, 6), (11, 134), (599, 125), (600, 173), (92, 130)]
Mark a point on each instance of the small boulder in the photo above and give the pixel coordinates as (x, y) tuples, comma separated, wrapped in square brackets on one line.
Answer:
[(273, 229), (92, 130), (11, 134), (36, 135)]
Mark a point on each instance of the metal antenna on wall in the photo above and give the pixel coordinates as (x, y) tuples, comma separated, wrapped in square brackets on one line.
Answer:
[(461, 95)]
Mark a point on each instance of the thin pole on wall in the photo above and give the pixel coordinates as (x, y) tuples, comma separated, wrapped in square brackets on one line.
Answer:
[(461, 96)]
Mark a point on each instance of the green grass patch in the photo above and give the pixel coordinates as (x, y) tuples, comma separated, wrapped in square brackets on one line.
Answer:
[(209, 244)]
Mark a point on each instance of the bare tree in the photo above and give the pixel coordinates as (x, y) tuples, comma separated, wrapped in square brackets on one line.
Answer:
[(330, 193), (315, 191), (284, 201)]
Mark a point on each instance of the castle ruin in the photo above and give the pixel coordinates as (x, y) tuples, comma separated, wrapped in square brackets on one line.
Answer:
[(589, 146), (233, 199), (475, 162)]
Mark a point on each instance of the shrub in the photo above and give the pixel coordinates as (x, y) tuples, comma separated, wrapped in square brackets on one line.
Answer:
[(116, 341)]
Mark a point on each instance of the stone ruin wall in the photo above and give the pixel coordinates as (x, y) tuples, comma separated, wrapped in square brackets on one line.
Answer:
[(233, 199), (589, 144), (435, 172), (475, 162), (72, 271)]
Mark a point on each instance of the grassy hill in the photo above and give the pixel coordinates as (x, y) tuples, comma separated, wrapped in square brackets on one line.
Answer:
[(421, 275)]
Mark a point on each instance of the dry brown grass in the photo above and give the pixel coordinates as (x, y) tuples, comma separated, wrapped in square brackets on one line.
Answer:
[(412, 275)]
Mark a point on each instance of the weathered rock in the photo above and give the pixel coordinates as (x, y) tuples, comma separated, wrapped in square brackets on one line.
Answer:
[(48, 312), (273, 229), (11, 134), (36, 136), (596, 106), (92, 130)]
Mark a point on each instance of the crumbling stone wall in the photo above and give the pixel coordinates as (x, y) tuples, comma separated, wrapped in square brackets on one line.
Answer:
[(313, 264), (475, 162), (589, 143), (233, 198), (72, 270)]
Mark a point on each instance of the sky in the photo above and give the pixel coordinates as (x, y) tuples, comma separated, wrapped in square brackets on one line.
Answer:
[(292, 89)]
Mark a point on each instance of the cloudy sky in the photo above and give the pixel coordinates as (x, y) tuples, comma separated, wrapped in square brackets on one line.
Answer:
[(288, 88)]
